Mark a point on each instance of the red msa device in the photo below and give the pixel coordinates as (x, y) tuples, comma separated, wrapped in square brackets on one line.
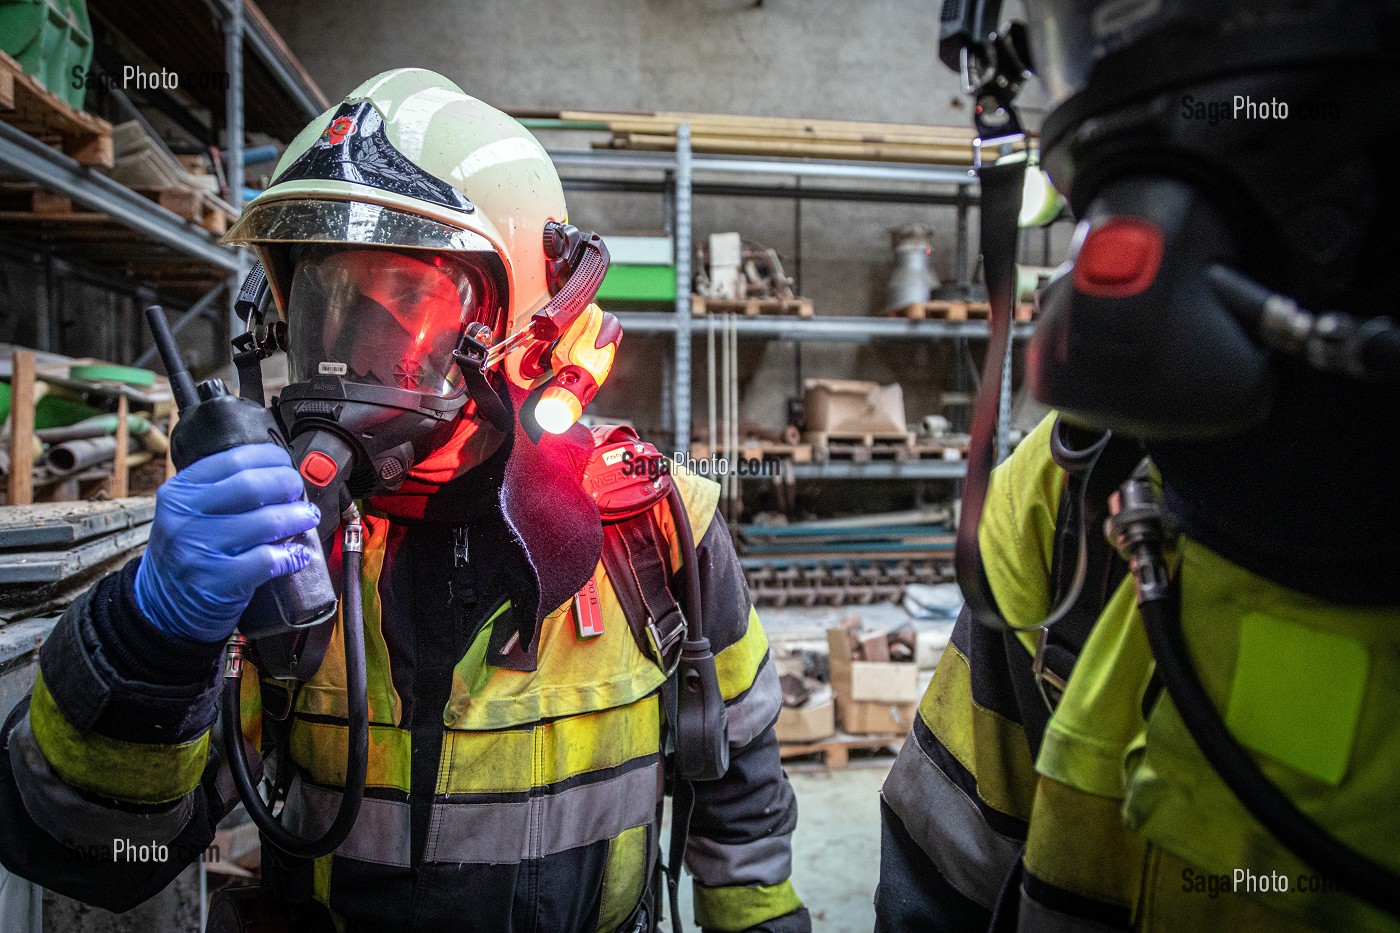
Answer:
[(626, 477)]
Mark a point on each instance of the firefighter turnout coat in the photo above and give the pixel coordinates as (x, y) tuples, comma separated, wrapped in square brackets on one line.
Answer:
[(516, 757), (1106, 817)]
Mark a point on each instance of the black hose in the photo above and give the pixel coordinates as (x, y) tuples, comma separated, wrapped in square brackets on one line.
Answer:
[(357, 742), (1351, 871)]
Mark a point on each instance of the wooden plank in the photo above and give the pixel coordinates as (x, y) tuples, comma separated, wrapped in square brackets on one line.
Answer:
[(955, 310), (836, 751), (47, 525), (120, 471), (21, 480), (751, 307), (797, 149), (51, 566)]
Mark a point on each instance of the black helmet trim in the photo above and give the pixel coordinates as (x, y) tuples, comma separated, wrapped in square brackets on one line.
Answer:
[(354, 148)]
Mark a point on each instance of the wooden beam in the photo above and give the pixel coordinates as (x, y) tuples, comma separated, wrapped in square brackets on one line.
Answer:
[(21, 487), (120, 474)]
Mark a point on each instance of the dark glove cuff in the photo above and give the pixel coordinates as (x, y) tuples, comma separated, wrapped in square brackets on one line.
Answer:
[(111, 671)]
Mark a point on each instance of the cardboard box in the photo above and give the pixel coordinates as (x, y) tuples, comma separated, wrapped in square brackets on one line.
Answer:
[(871, 696), (811, 722), (852, 406)]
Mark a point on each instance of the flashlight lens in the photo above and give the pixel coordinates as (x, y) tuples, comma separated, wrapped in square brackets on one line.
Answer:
[(557, 410)]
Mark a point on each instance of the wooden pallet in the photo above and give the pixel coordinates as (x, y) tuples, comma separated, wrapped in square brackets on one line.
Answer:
[(860, 448), (835, 752), (191, 204), (750, 307), (761, 450), (956, 311), (26, 105)]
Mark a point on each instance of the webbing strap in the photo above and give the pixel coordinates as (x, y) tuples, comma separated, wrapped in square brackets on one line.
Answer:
[(635, 557), (1001, 185), (250, 383)]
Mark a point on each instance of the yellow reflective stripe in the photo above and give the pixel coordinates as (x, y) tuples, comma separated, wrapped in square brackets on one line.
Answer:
[(319, 748), (1078, 843), (1017, 533), (518, 759), (742, 908), (624, 875), (132, 772), (990, 746), (738, 664)]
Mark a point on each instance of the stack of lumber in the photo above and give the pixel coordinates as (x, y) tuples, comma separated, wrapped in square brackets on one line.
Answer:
[(50, 552), (781, 137), (144, 165)]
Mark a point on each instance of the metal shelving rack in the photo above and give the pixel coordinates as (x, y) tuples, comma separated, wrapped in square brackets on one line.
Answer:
[(680, 176), (45, 166)]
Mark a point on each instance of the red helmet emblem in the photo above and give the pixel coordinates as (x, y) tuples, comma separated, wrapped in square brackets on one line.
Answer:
[(340, 128)]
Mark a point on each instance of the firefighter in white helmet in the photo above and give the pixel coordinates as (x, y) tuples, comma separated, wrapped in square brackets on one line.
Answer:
[(441, 347)]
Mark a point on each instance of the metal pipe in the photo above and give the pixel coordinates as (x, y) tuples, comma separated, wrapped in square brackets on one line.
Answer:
[(710, 380), (72, 456), (233, 104), (684, 251), (735, 432), (823, 327)]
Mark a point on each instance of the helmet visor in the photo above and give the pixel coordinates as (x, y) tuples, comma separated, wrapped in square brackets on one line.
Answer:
[(306, 220), (384, 317)]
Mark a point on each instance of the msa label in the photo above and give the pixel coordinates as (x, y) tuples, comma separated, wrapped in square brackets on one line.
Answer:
[(332, 369)]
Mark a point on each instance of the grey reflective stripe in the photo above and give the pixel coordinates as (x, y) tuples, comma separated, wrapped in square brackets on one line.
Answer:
[(757, 709), (381, 833), (1035, 917), (77, 822), (506, 832), (948, 826), (766, 861)]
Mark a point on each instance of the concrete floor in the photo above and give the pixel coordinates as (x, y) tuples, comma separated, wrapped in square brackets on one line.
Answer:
[(836, 851)]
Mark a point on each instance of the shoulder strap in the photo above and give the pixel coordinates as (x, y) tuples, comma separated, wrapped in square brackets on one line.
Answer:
[(1092, 480), (628, 478)]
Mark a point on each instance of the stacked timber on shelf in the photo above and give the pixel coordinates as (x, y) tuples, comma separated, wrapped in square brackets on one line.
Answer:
[(144, 165), (852, 561), (780, 137), (26, 105)]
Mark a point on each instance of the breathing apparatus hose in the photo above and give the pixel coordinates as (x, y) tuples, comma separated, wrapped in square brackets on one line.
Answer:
[(357, 744), (1137, 527)]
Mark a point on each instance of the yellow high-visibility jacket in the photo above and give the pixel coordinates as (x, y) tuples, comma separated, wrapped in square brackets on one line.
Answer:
[(514, 782), (1118, 822)]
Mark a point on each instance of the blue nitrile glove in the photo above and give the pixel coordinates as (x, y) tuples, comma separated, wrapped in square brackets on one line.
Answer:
[(213, 541)]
